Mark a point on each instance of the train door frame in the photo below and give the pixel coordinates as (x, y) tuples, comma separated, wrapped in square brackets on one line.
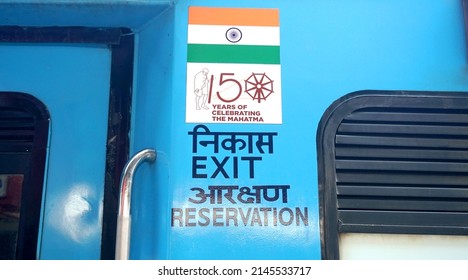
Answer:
[(121, 44)]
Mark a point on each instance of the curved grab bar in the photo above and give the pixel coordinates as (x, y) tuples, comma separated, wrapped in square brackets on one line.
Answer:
[(122, 244)]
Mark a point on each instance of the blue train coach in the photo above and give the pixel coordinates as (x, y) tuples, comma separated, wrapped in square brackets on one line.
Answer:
[(203, 129)]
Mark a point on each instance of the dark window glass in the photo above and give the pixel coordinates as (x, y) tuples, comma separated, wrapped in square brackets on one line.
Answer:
[(10, 204), (24, 125)]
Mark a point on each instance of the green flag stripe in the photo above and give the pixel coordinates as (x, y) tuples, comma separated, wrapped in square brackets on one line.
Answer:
[(233, 54)]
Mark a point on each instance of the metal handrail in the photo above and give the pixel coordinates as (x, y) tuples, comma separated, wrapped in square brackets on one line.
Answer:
[(122, 244)]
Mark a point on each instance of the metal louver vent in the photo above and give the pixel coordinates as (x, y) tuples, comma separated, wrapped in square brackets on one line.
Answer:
[(394, 162), (16, 130), (411, 161)]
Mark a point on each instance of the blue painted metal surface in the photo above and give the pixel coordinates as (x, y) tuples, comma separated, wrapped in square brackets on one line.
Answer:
[(327, 49), (73, 82), (96, 13)]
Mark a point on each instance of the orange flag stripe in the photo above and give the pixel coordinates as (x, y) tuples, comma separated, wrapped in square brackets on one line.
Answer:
[(233, 16)]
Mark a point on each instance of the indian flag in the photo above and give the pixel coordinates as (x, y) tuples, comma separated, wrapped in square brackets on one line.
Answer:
[(233, 35)]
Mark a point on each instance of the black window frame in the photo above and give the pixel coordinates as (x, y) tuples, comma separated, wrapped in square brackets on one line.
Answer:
[(35, 153), (395, 219)]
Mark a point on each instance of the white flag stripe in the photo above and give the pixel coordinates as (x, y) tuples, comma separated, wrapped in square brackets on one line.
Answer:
[(216, 34)]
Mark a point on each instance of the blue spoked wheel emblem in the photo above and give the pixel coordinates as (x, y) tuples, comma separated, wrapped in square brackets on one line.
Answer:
[(233, 35)]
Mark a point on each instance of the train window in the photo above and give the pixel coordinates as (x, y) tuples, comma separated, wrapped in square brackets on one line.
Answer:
[(393, 176), (24, 125)]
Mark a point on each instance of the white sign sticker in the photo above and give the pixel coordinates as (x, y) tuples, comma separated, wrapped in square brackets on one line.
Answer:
[(233, 66)]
